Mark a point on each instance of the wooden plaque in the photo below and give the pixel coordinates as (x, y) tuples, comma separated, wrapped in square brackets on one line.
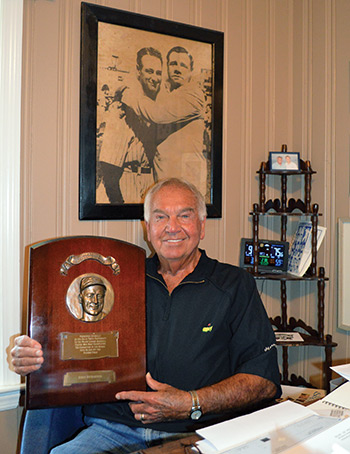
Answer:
[(87, 309)]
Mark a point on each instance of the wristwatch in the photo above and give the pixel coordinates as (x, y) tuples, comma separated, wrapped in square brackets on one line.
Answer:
[(196, 411)]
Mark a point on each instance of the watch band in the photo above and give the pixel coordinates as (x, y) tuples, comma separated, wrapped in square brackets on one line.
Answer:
[(196, 411), (195, 400)]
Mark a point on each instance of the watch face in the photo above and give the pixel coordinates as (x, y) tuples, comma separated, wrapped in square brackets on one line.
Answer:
[(196, 414)]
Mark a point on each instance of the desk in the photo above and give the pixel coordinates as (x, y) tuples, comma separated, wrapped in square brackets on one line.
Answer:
[(186, 445), (181, 446)]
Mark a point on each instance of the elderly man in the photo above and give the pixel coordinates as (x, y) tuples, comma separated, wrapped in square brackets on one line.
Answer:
[(210, 348)]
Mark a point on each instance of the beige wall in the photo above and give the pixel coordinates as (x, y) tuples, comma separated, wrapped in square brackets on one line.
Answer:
[(10, 425), (286, 80)]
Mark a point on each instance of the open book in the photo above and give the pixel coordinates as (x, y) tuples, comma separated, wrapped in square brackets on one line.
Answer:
[(300, 250)]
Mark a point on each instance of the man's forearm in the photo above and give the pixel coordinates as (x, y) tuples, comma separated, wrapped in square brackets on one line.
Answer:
[(238, 391)]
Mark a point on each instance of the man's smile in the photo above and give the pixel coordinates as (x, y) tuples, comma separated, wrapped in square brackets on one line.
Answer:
[(176, 240)]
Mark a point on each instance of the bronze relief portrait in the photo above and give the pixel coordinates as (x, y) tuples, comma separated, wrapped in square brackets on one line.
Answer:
[(90, 298)]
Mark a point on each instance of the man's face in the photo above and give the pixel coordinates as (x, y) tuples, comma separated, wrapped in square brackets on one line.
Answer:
[(279, 160), (93, 299), (179, 69), (174, 228), (150, 75)]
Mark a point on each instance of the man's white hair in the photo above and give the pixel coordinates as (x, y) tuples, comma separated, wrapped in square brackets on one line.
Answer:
[(177, 183)]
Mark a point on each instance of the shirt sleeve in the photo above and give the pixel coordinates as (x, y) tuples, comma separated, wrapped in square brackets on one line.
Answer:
[(253, 344)]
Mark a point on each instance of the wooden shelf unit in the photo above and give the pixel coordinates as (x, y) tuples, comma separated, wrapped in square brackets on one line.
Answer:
[(284, 207)]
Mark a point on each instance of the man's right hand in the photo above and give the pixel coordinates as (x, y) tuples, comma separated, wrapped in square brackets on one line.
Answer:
[(27, 355)]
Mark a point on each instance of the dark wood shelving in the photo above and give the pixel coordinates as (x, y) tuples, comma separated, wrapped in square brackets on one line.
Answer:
[(284, 208), (285, 277)]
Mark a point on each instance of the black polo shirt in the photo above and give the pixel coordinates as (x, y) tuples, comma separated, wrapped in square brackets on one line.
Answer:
[(212, 326)]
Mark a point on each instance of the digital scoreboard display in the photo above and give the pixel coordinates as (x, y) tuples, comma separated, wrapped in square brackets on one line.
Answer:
[(272, 257)]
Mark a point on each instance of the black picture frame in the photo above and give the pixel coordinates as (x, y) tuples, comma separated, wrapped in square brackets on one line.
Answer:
[(95, 19), (284, 161)]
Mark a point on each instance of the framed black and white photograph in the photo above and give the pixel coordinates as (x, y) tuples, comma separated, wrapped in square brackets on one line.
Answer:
[(283, 161), (150, 108)]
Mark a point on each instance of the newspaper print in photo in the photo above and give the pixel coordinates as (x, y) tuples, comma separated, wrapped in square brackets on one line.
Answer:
[(153, 112)]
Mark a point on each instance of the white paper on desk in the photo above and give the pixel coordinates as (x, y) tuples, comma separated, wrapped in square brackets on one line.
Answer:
[(239, 430), (278, 441), (206, 447), (340, 397), (343, 370), (331, 441), (331, 411)]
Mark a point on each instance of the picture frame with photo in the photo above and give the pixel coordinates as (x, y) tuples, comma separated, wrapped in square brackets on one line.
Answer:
[(151, 104), (280, 161)]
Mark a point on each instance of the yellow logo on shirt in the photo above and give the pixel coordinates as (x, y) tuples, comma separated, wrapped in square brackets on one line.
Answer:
[(207, 329)]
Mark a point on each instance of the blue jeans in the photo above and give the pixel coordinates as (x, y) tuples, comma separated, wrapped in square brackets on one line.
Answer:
[(49, 427), (103, 436)]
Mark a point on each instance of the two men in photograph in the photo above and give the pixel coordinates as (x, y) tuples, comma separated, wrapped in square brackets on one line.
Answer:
[(156, 129)]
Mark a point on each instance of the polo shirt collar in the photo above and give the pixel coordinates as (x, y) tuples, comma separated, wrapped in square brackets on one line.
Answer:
[(197, 274)]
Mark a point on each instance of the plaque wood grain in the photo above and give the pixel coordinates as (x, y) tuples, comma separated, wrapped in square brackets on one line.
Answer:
[(49, 316)]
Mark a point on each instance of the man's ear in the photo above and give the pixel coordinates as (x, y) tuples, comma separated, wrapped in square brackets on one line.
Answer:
[(147, 230), (202, 235)]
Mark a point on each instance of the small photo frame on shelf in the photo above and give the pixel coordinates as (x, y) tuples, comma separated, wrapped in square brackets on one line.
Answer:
[(284, 162)]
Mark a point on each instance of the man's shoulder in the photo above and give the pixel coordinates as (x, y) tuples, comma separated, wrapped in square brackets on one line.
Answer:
[(225, 275), (151, 264), (195, 88)]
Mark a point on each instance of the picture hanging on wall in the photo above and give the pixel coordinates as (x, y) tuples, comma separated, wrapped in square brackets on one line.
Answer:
[(150, 108)]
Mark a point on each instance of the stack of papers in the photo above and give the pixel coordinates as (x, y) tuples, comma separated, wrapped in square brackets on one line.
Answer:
[(238, 431), (288, 427), (273, 430)]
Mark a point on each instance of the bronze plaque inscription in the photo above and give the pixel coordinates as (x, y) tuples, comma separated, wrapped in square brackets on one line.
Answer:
[(89, 345), (95, 376)]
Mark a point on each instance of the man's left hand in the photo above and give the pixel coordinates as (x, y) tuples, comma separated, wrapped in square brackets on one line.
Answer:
[(164, 403)]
